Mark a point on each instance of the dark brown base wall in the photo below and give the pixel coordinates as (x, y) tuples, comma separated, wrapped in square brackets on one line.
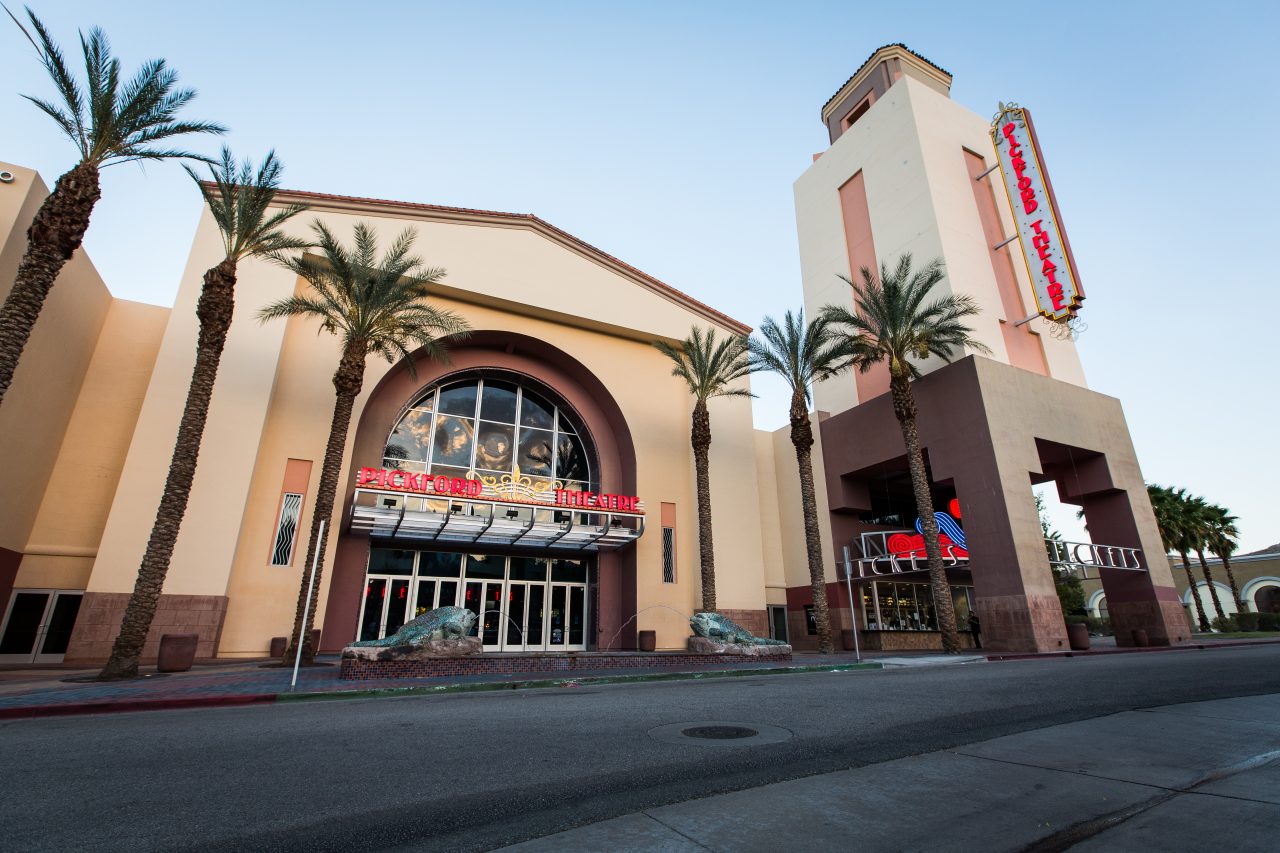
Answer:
[(755, 621), (534, 664), (1022, 623), (1154, 617), (102, 612)]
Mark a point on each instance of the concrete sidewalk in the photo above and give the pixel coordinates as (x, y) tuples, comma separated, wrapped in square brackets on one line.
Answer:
[(1194, 777), (45, 693), (27, 692)]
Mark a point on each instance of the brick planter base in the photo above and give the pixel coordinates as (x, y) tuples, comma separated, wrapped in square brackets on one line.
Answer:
[(500, 664), (909, 641)]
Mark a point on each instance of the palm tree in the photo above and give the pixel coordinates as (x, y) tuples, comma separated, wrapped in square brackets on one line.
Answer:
[(1222, 540), (375, 305), (109, 123), (1171, 521), (239, 199), (893, 323), (803, 355), (709, 368), (1200, 524)]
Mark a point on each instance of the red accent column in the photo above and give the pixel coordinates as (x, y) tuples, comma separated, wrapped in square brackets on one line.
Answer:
[(1134, 600), (615, 595), (862, 253), (346, 585)]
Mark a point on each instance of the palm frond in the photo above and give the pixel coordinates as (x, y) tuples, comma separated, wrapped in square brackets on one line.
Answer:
[(710, 367), (379, 301), (239, 199), (55, 63), (111, 122), (801, 354), (894, 320)]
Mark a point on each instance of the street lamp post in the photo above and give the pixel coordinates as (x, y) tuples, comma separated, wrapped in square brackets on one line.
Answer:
[(853, 614)]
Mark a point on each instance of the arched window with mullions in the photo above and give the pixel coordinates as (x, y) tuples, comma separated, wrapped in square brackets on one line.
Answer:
[(495, 426)]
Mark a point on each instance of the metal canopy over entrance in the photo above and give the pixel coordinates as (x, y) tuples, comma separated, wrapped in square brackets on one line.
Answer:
[(392, 515)]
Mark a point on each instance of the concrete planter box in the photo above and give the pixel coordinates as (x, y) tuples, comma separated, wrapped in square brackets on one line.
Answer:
[(647, 640), (278, 645), (1078, 636)]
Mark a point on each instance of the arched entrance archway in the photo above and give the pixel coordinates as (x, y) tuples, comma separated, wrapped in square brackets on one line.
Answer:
[(1263, 594), (515, 358)]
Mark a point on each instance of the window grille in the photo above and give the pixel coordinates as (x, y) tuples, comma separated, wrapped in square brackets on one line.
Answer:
[(287, 530), (668, 555)]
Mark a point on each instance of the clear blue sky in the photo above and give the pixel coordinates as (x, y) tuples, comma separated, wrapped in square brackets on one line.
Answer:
[(669, 134)]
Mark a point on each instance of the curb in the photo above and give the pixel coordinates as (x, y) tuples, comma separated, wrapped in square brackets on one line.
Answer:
[(1184, 647), (71, 709), (124, 705), (567, 681)]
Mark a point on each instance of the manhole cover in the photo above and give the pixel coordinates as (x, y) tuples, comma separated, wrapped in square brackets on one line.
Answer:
[(719, 732)]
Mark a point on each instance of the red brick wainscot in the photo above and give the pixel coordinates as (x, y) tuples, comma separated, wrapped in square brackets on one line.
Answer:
[(914, 641), (499, 664)]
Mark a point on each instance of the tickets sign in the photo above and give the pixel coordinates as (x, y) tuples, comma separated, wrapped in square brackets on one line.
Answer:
[(1035, 211)]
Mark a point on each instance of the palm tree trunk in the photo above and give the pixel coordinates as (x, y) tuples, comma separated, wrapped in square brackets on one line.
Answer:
[(701, 440), (347, 382), (52, 239), (217, 303), (802, 438), (1231, 579), (1195, 595), (1213, 589), (904, 406)]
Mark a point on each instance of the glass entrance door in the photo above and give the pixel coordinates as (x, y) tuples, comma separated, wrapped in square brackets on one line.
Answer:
[(526, 621), (520, 603), (37, 625), (516, 624), (385, 608), (484, 598), (567, 617)]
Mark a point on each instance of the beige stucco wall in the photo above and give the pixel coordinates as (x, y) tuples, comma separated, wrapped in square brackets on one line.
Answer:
[(204, 549), (39, 403), (657, 411), (64, 539), (775, 575), (274, 397), (910, 147), (795, 558)]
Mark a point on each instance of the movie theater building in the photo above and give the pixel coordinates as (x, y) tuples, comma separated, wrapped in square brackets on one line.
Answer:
[(543, 476)]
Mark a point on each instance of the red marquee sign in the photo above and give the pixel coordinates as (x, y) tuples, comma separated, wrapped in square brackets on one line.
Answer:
[(404, 481), (1045, 249), (466, 487)]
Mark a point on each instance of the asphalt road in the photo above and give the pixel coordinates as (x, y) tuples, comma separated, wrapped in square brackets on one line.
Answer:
[(477, 771)]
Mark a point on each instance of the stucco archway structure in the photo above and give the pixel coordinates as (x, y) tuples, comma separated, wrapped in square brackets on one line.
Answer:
[(989, 432), (511, 353), (1249, 592)]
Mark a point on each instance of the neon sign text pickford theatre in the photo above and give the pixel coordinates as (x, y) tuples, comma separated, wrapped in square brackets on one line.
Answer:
[(1044, 244), (466, 487)]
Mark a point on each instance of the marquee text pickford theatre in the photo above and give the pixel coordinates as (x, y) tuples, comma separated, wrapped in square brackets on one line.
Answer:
[(543, 478)]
